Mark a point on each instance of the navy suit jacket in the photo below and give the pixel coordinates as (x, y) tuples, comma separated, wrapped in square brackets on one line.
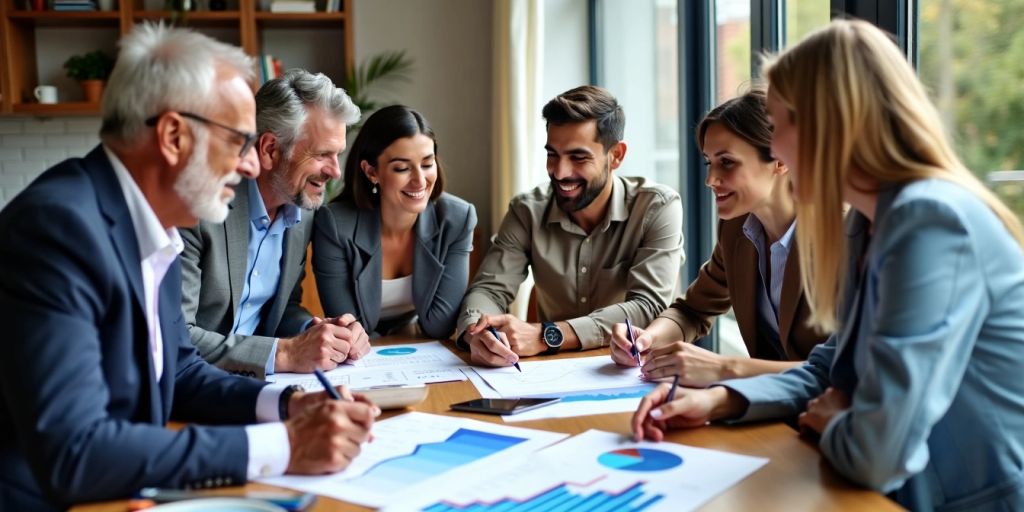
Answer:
[(83, 415)]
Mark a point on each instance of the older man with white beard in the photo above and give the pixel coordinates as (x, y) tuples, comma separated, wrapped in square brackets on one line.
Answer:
[(242, 280), (96, 357)]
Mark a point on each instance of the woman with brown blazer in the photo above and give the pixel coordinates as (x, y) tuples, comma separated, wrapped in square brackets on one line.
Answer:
[(754, 268)]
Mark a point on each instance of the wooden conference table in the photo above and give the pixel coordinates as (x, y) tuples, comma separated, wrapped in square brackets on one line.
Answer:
[(795, 478)]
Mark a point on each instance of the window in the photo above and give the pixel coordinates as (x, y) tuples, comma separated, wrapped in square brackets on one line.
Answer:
[(732, 53), (971, 58), (804, 17), (638, 62)]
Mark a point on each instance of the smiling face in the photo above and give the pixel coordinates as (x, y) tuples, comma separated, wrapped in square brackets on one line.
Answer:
[(302, 178), (741, 181), (578, 165), (404, 173)]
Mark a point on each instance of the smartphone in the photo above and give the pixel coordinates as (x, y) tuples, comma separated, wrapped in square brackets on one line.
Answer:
[(291, 502), (502, 405)]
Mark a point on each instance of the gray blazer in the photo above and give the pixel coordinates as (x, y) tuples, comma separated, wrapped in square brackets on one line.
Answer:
[(213, 275), (929, 351), (347, 261)]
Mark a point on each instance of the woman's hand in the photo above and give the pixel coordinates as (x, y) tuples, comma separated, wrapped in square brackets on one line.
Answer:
[(821, 410), (696, 367), (690, 408)]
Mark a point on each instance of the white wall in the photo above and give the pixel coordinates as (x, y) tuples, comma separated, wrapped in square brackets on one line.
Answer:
[(449, 42)]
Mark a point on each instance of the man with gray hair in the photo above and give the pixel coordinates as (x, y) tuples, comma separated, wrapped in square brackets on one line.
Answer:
[(97, 358), (242, 280)]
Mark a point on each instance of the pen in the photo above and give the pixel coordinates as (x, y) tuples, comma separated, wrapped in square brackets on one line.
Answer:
[(333, 393), (632, 341), (672, 392), (495, 333)]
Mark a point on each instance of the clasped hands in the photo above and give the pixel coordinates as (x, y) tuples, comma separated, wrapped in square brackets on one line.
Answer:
[(326, 344)]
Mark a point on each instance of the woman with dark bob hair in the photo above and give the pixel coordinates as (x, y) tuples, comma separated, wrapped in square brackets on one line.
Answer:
[(393, 248)]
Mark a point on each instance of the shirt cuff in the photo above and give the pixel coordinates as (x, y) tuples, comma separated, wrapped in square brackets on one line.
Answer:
[(269, 450), (267, 403), (271, 358), (588, 332)]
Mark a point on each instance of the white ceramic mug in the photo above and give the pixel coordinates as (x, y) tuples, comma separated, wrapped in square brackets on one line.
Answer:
[(46, 94)]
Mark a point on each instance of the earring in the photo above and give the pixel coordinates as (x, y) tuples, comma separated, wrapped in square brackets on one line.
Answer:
[(374, 188)]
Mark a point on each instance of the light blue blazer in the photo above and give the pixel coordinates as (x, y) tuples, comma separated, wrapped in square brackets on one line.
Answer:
[(347, 263), (930, 350)]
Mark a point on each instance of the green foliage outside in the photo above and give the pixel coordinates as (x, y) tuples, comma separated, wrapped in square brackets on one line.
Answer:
[(972, 60)]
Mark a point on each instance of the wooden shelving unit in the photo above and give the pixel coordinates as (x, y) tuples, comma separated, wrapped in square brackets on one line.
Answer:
[(243, 25)]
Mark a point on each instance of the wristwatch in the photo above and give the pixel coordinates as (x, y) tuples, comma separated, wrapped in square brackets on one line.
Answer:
[(286, 396), (552, 337)]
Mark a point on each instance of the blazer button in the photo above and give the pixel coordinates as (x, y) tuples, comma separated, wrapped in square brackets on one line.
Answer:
[(219, 481), (209, 482)]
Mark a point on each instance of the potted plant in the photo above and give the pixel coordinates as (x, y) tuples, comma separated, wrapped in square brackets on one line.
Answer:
[(91, 70)]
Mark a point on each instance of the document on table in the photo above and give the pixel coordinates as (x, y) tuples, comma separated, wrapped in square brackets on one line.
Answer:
[(413, 363), (603, 470), (415, 453), (560, 376)]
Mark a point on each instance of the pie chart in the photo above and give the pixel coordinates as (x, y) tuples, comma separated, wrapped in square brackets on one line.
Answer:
[(396, 351), (639, 459)]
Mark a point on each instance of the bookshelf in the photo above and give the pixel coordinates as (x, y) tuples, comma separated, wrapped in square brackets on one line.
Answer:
[(35, 43)]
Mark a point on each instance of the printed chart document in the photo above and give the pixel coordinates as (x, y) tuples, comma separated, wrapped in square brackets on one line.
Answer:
[(602, 470), (587, 385), (415, 363), (416, 452)]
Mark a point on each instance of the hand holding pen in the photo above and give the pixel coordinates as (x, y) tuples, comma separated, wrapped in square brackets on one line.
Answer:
[(632, 342), (494, 332)]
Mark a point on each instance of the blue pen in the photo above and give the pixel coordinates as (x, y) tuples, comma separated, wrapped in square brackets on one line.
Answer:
[(326, 383), (495, 333), (632, 342), (672, 392)]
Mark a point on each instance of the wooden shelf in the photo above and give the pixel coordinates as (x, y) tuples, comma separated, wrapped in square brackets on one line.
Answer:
[(60, 19), (299, 19), (194, 18), (57, 109)]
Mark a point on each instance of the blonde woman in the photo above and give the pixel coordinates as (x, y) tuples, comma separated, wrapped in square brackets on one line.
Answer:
[(919, 393), (753, 269)]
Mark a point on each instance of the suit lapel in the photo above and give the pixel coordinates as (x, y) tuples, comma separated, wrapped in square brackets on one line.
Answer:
[(745, 305), (792, 293), (126, 243), (368, 280), (427, 269), (236, 243), (291, 263)]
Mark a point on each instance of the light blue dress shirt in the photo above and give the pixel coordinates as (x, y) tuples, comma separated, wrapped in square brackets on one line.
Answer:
[(929, 349), (263, 263), (769, 294)]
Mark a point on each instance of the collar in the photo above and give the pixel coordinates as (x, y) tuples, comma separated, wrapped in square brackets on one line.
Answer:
[(258, 215), (151, 235), (618, 210), (754, 231)]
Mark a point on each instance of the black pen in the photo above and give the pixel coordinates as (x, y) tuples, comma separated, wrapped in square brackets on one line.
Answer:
[(495, 333), (672, 392), (333, 393), (632, 341)]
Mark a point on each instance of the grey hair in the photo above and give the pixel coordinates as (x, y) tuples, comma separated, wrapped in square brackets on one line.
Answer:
[(282, 103), (160, 68)]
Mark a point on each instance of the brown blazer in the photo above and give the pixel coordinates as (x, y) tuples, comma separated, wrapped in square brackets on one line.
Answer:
[(729, 279)]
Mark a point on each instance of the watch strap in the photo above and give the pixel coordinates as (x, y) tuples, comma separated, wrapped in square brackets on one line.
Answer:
[(286, 396)]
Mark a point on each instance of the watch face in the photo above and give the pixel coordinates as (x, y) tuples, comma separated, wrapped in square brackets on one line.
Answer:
[(553, 336)]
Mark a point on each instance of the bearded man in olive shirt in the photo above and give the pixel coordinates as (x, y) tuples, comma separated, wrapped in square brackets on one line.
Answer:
[(602, 247)]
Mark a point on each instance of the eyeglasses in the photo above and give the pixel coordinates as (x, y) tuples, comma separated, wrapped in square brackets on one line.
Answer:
[(248, 137)]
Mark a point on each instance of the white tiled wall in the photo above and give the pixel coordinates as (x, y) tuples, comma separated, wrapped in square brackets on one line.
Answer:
[(28, 146)]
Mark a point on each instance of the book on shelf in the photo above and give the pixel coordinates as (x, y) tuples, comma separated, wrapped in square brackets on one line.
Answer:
[(292, 6), (270, 68)]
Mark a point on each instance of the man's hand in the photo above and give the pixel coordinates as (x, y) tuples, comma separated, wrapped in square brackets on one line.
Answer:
[(523, 338), (485, 349), (821, 410), (359, 341), (622, 349), (326, 436), (696, 367), (324, 345)]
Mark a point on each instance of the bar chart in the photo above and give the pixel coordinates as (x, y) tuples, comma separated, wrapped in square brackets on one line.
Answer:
[(561, 499)]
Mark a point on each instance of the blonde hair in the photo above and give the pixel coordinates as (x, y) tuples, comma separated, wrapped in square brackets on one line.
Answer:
[(851, 78)]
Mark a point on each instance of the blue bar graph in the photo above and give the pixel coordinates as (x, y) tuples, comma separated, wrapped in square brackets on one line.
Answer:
[(427, 460), (560, 499)]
